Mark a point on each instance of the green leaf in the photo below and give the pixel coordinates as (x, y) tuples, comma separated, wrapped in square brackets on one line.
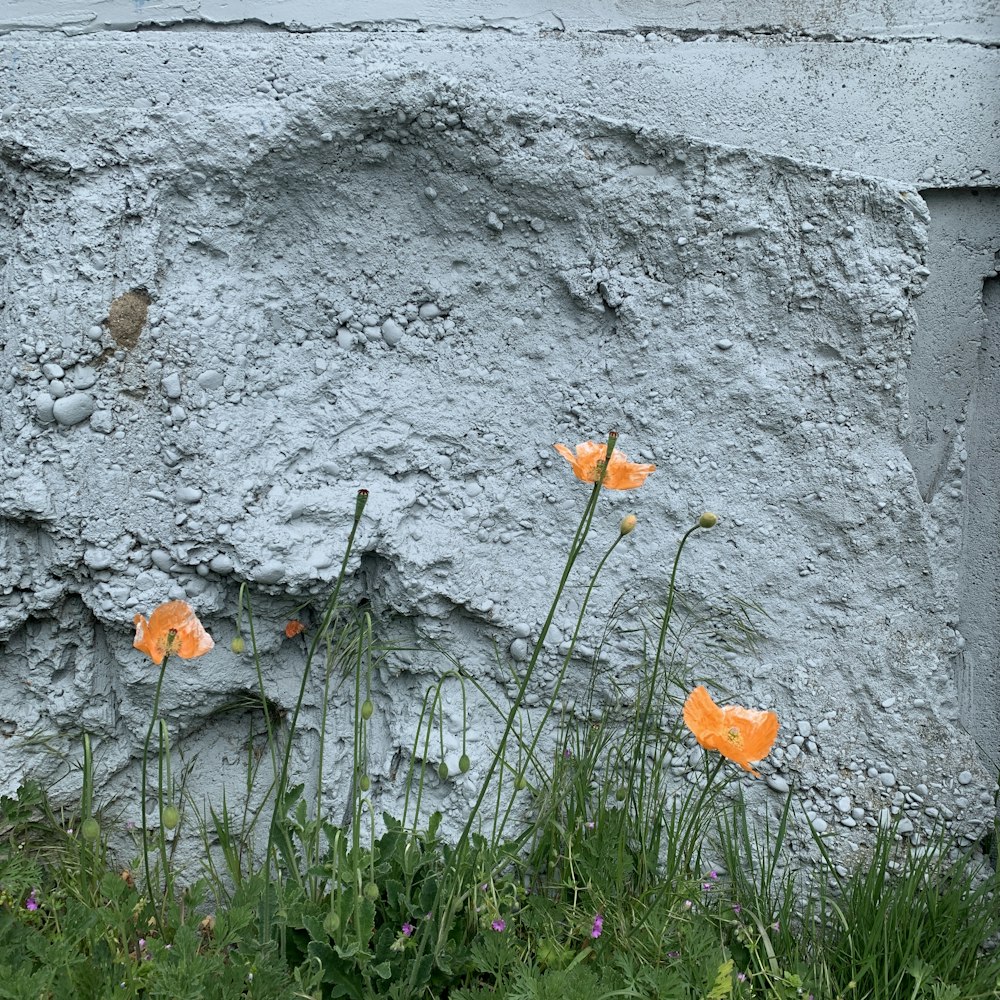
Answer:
[(395, 894), (723, 982), (433, 824), (428, 894)]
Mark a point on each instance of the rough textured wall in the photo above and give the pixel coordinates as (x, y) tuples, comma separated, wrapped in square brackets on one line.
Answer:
[(245, 274)]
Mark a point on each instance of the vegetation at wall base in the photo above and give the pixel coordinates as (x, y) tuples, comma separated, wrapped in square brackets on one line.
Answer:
[(580, 871)]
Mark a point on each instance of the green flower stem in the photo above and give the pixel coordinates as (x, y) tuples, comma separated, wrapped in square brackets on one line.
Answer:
[(661, 642), (412, 765), (145, 759), (282, 783), (575, 548), (562, 674), (163, 753)]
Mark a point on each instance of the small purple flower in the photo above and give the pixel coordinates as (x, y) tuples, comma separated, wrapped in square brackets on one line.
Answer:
[(499, 925), (741, 977), (408, 929), (673, 954), (567, 753), (713, 874), (598, 928), (737, 909), (31, 903), (589, 825), (706, 886), (776, 926), (688, 904)]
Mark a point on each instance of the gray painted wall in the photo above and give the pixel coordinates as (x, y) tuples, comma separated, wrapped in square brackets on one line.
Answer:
[(410, 250)]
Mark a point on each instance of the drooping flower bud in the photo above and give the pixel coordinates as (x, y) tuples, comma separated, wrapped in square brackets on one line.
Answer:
[(628, 524), (708, 520), (90, 829), (171, 817), (367, 709), (443, 771), (464, 763), (364, 782), (238, 645)]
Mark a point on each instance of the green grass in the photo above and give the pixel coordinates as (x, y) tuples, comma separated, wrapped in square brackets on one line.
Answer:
[(578, 872)]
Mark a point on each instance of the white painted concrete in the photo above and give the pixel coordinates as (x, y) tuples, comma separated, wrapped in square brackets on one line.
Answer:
[(716, 246), (953, 20)]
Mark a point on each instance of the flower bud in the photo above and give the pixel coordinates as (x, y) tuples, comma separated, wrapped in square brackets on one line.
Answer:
[(464, 763), (171, 817), (367, 708), (364, 782), (520, 783), (359, 504), (443, 771), (238, 645), (628, 524), (372, 892), (90, 829), (707, 520)]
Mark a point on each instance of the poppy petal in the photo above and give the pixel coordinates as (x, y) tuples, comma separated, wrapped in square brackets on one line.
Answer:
[(621, 474), (741, 735), (173, 628)]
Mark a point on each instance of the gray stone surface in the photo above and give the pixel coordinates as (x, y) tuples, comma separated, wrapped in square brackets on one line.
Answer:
[(285, 266)]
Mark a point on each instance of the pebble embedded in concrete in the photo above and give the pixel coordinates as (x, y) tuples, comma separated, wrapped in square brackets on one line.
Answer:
[(392, 332), (44, 407), (73, 409), (102, 421), (171, 384), (777, 783)]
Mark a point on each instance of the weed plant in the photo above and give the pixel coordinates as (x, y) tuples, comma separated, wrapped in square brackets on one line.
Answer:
[(578, 872)]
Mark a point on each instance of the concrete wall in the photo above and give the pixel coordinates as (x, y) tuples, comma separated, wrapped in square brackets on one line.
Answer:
[(257, 256)]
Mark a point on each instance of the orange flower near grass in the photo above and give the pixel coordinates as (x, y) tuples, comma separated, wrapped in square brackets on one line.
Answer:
[(294, 628), (173, 629), (621, 474), (740, 734)]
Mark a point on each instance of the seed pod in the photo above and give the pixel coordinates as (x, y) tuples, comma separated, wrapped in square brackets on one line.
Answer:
[(367, 708), (464, 763), (171, 817), (90, 829), (443, 771)]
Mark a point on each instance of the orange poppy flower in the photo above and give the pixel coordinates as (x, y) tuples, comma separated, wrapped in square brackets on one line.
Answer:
[(294, 628), (741, 734), (621, 474), (173, 628)]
